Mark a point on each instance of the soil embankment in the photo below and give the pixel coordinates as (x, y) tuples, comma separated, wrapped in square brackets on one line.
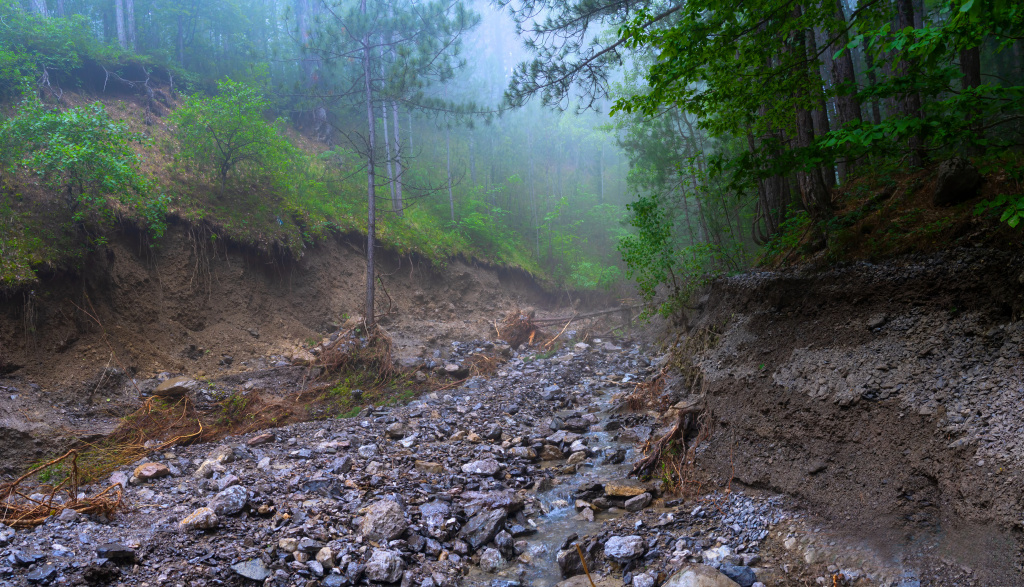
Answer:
[(73, 350), (886, 398)]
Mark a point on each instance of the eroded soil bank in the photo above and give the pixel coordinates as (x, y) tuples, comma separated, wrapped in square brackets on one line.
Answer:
[(74, 350)]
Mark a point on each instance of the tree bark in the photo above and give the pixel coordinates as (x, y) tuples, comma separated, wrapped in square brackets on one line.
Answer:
[(820, 113), (129, 14), (122, 37), (970, 68), (39, 6), (844, 81), (396, 203), (181, 40), (387, 149), (911, 100), (371, 195), (60, 9)]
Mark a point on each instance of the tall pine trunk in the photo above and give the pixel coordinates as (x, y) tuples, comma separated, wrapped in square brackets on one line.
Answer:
[(844, 80), (387, 148), (129, 23), (911, 102), (820, 113), (396, 204), (371, 195)]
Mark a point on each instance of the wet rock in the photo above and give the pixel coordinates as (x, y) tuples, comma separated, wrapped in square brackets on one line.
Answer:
[(699, 576), (635, 504), (486, 467), (119, 553), (551, 453), (624, 488), (483, 527), (385, 566), (576, 458), (525, 452), (147, 471), (253, 569), (230, 501), (491, 560), (384, 520), (42, 574), (177, 387), (201, 519), (624, 548), (744, 576)]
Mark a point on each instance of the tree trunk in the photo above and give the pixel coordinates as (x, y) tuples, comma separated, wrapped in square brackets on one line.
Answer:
[(911, 100), (970, 68), (472, 160), (181, 40), (129, 24), (60, 9), (876, 108), (820, 113), (600, 172), (122, 37), (844, 80), (39, 6), (371, 195), (387, 149), (397, 203)]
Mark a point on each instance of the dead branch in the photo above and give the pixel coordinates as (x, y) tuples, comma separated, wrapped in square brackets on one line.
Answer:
[(685, 422)]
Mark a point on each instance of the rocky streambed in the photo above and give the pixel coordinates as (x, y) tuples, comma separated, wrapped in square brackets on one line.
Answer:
[(513, 480)]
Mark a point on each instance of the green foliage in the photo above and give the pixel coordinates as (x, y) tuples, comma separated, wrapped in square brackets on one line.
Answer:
[(226, 135), (655, 260), (1010, 206), (87, 158)]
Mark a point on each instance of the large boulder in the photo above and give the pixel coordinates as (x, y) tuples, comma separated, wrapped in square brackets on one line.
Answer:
[(958, 181), (699, 576), (384, 520)]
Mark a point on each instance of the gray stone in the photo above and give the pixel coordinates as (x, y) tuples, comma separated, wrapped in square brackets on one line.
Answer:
[(369, 451), (201, 519), (624, 548), (230, 501), (483, 527), (744, 576), (491, 560), (699, 576), (384, 520), (385, 566), (486, 467), (119, 553), (635, 504), (253, 569), (42, 574)]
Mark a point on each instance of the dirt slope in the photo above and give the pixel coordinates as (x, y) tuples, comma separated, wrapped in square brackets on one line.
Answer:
[(886, 397), (69, 348)]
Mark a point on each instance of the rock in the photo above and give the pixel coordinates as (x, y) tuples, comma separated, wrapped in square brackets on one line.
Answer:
[(147, 471), (24, 557), (551, 453), (222, 454), (227, 481), (699, 576), (385, 566), (877, 321), (576, 458), (177, 387), (42, 574), (957, 181), (262, 439), (369, 451), (583, 581), (207, 469), (524, 452), (288, 544), (230, 501), (635, 504), (429, 467), (384, 520), (118, 477), (493, 433), (624, 488), (483, 527), (716, 555), (201, 519), (643, 580), (253, 569), (396, 431), (744, 576), (119, 553), (569, 563), (491, 560), (486, 467), (325, 556), (624, 548), (456, 370)]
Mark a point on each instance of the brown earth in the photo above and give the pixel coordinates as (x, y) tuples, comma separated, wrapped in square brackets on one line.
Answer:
[(73, 349), (886, 398)]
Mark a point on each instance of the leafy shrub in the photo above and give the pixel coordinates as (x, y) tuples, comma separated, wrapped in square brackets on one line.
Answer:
[(225, 136), (85, 157)]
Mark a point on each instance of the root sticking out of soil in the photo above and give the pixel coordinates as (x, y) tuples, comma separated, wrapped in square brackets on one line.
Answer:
[(518, 328), (19, 509), (673, 456)]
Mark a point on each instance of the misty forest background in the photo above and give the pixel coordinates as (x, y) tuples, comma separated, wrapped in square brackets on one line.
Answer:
[(585, 141)]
